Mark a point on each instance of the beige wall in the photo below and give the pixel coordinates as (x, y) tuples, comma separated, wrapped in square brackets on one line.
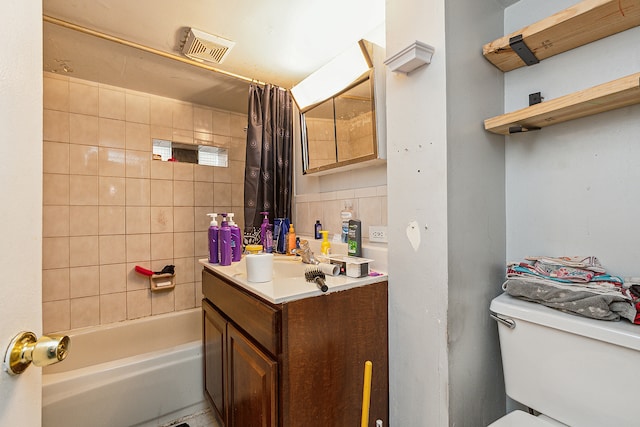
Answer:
[(107, 206), (368, 204)]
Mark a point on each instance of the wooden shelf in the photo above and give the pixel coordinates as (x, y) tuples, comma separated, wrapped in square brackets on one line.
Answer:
[(608, 96), (583, 23)]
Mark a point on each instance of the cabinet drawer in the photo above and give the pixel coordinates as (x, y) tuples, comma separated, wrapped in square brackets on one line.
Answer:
[(257, 319)]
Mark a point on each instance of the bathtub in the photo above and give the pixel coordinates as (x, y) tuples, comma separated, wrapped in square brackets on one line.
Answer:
[(142, 372)]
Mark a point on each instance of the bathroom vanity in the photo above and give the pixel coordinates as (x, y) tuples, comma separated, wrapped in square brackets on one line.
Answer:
[(291, 355)]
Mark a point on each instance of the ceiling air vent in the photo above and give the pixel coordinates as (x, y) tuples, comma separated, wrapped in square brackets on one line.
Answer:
[(206, 47)]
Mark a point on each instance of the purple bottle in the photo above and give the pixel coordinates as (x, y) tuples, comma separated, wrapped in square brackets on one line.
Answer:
[(236, 240), (224, 241), (213, 239), (263, 227)]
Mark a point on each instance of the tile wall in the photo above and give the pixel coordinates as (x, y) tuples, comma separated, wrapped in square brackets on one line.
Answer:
[(368, 204), (107, 206)]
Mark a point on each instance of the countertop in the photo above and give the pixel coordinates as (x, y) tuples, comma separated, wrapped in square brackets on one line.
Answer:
[(287, 287)]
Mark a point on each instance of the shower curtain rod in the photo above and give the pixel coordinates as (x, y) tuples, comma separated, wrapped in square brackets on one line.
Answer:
[(148, 49)]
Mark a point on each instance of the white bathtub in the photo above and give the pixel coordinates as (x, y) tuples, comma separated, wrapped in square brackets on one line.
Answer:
[(142, 372)]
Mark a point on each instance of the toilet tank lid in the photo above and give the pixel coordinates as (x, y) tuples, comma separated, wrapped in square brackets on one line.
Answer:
[(621, 333)]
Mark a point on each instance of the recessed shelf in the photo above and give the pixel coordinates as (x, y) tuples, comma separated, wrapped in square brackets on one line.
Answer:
[(604, 97), (583, 23)]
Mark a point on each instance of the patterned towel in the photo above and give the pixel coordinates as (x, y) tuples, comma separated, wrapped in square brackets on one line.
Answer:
[(574, 284), (576, 299), (585, 262)]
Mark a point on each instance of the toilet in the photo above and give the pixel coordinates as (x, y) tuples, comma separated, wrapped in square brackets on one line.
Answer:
[(572, 370)]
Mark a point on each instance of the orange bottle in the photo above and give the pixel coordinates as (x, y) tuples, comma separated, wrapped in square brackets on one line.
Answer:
[(291, 241)]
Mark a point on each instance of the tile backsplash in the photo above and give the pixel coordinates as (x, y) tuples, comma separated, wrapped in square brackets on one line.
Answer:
[(368, 204), (107, 206)]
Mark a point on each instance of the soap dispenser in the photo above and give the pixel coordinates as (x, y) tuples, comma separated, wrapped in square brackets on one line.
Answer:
[(213, 238), (224, 241), (236, 240), (325, 246), (263, 227), (268, 241)]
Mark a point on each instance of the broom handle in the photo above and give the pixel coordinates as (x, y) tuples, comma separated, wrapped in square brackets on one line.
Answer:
[(366, 393)]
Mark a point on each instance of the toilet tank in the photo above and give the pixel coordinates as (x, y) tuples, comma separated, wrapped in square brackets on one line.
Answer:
[(579, 371)]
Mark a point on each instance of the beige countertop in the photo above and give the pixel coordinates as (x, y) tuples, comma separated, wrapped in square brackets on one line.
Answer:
[(288, 282)]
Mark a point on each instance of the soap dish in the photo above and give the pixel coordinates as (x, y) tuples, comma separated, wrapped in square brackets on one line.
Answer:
[(162, 282)]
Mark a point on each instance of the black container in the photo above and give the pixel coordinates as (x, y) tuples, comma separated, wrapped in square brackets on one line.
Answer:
[(354, 241)]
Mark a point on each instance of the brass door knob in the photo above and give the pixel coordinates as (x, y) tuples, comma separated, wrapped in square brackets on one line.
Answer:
[(26, 348)]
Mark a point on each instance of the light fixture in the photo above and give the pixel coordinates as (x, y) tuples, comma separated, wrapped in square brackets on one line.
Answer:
[(333, 77)]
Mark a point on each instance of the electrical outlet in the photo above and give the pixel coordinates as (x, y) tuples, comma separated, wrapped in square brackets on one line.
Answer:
[(378, 233)]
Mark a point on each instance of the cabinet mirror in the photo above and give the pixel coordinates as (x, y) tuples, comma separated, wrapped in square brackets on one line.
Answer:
[(341, 131)]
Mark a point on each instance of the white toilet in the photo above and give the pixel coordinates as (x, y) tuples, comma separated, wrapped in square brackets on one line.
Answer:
[(574, 370)]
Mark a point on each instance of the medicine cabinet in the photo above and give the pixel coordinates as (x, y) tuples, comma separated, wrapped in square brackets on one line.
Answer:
[(347, 130)]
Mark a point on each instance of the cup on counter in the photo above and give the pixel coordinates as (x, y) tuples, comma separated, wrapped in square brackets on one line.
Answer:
[(259, 264)]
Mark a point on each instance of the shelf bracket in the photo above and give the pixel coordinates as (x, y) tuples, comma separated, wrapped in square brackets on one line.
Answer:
[(535, 98), (520, 128), (522, 50)]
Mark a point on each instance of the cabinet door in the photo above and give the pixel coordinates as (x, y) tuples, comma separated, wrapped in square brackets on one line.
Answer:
[(252, 383), (215, 335)]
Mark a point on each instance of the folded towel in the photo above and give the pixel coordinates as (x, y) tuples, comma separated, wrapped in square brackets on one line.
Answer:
[(585, 262), (574, 298)]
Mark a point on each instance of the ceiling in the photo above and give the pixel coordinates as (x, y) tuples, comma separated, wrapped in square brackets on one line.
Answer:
[(276, 41)]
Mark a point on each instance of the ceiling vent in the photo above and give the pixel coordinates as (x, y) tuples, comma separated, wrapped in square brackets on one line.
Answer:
[(201, 46)]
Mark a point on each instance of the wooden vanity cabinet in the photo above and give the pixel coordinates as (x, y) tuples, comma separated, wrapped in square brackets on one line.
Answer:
[(299, 363), (214, 330)]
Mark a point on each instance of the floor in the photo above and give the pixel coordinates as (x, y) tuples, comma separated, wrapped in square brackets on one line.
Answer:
[(200, 419)]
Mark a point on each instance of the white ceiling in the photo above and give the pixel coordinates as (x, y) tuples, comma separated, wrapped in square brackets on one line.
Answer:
[(277, 41)]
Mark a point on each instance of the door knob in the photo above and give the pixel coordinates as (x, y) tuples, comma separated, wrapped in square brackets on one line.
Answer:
[(26, 348)]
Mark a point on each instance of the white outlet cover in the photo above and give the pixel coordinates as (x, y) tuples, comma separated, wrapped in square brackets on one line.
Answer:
[(378, 233)]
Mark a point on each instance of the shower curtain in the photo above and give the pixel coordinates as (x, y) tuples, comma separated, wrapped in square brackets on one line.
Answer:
[(269, 168)]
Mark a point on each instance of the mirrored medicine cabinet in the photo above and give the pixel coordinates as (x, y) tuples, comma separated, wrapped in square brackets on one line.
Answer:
[(346, 131)]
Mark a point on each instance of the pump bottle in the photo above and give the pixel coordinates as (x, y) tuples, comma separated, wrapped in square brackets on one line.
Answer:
[(268, 240), (213, 239), (345, 216), (236, 240), (224, 241), (325, 246), (264, 227)]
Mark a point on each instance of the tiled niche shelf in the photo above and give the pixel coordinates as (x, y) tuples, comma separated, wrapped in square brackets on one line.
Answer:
[(583, 23), (598, 99)]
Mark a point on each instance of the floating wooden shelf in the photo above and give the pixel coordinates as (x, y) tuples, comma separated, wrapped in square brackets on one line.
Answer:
[(583, 23), (608, 96)]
